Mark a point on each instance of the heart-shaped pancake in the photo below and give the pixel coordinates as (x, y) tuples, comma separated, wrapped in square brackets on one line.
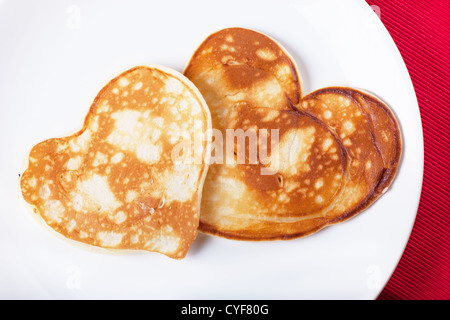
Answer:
[(116, 184), (338, 148)]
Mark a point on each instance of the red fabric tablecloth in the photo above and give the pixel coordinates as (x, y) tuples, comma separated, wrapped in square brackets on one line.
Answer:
[(421, 31)]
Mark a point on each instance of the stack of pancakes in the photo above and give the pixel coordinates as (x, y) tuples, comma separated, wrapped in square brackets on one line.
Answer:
[(115, 183), (338, 150)]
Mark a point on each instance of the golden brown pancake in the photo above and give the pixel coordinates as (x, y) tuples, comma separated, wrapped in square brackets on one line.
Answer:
[(386, 133), (371, 162), (248, 66), (115, 183), (241, 201), (338, 148)]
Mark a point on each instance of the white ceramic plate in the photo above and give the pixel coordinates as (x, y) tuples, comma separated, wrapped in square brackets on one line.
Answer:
[(56, 55)]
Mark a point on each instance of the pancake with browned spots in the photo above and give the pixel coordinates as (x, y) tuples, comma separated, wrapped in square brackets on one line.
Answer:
[(116, 183), (304, 169), (252, 199), (387, 135), (372, 163), (249, 66), (338, 148)]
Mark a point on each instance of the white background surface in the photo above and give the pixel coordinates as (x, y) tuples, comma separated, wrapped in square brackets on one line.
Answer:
[(56, 55)]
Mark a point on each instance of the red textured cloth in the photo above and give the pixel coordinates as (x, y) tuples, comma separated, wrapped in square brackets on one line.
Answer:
[(421, 32)]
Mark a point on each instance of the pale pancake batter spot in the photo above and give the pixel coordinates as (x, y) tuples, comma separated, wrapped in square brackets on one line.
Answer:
[(71, 225), (173, 110), (319, 183), (94, 194), (183, 105), (118, 217), (266, 54), (177, 183), (229, 38), (165, 242), (32, 182), (348, 125), (117, 157), (133, 132), (54, 210), (173, 86), (109, 239), (100, 158), (44, 192), (319, 199), (158, 121), (347, 142), (123, 82), (131, 196), (148, 152), (283, 71)]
